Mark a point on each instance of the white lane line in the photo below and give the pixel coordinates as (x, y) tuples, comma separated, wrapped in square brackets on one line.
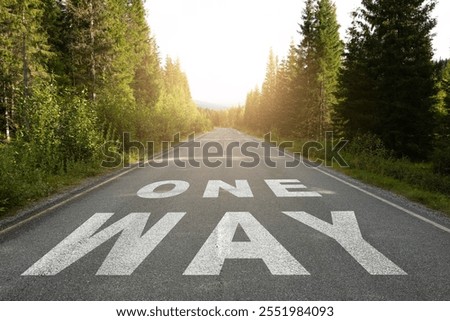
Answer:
[(47, 210), (65, 201), (439, 226)]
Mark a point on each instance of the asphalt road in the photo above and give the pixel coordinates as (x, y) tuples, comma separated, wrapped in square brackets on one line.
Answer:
[(229, 233)]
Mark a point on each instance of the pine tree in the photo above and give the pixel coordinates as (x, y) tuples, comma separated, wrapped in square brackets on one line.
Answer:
[(285, 117), (319, 61), (90, 43), (252, 115), (268, 93), (446, 85), (307, 96), (24, 52), (329, 49), (391, 46)]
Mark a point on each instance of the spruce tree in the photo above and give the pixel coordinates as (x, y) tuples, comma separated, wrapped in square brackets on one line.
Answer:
[(391, 43), (286, 90), (329, 50), (307, 96), (252, 107), (319, 61), (24, 53), (90, 43), (268, 93), (355, 112)]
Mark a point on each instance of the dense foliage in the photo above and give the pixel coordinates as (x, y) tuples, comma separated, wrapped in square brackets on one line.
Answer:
[(297, 95), (73, 74), (387, 83), (383, 83)]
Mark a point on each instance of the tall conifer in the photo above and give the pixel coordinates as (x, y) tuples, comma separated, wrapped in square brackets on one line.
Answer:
[(392, 47)]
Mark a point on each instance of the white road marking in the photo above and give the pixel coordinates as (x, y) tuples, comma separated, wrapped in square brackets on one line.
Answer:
[(280, 188), (220, 246), (346, 232), (149, 190), (439, 226), (401, 208), (127, 254), (242, 189), (47, 210)]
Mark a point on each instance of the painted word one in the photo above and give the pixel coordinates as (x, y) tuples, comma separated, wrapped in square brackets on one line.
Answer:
[(280, 187)]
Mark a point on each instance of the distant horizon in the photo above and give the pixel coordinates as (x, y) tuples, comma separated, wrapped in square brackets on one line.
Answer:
[(214, 105), (224, 61)]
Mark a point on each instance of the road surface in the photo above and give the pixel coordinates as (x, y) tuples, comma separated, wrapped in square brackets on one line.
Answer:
[(242, 232)]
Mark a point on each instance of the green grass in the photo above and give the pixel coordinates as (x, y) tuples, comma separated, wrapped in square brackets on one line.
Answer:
[(24, 182), (432, 199), (371, 163), (31, 185)]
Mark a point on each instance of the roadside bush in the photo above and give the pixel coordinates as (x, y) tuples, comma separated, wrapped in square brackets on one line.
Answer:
[(368, 153), (63, 131), (441, 159), (58, 141), (20, 181)]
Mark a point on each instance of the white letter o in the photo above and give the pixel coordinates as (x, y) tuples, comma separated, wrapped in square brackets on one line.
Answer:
[(149, 190)]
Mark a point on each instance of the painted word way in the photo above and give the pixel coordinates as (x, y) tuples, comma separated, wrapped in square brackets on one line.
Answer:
[(134, 243), (133, 246)]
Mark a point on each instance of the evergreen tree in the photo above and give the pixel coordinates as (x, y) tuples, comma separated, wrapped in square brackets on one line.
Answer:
[(10, 65), (285, 117), (89, 45), (307, 95), (319, 60), (355, 112), (391, 47), (329, 49), (24, 52), (252, 115), (268, 93), (446, 86)]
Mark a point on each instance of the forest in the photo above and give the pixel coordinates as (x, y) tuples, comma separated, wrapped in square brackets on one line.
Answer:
[(380, 89), (73, 75)]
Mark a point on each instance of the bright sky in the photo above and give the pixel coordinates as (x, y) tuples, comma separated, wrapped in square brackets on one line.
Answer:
[(223, 45)]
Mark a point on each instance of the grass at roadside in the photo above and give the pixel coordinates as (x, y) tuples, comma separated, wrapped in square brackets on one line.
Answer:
[(371, 163), (432, 199), (23, 181), (23, 185)]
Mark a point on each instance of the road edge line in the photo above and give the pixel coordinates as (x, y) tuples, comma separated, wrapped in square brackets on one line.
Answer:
[(63, 202), (420, 217), (401, 208), (21, 222)]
